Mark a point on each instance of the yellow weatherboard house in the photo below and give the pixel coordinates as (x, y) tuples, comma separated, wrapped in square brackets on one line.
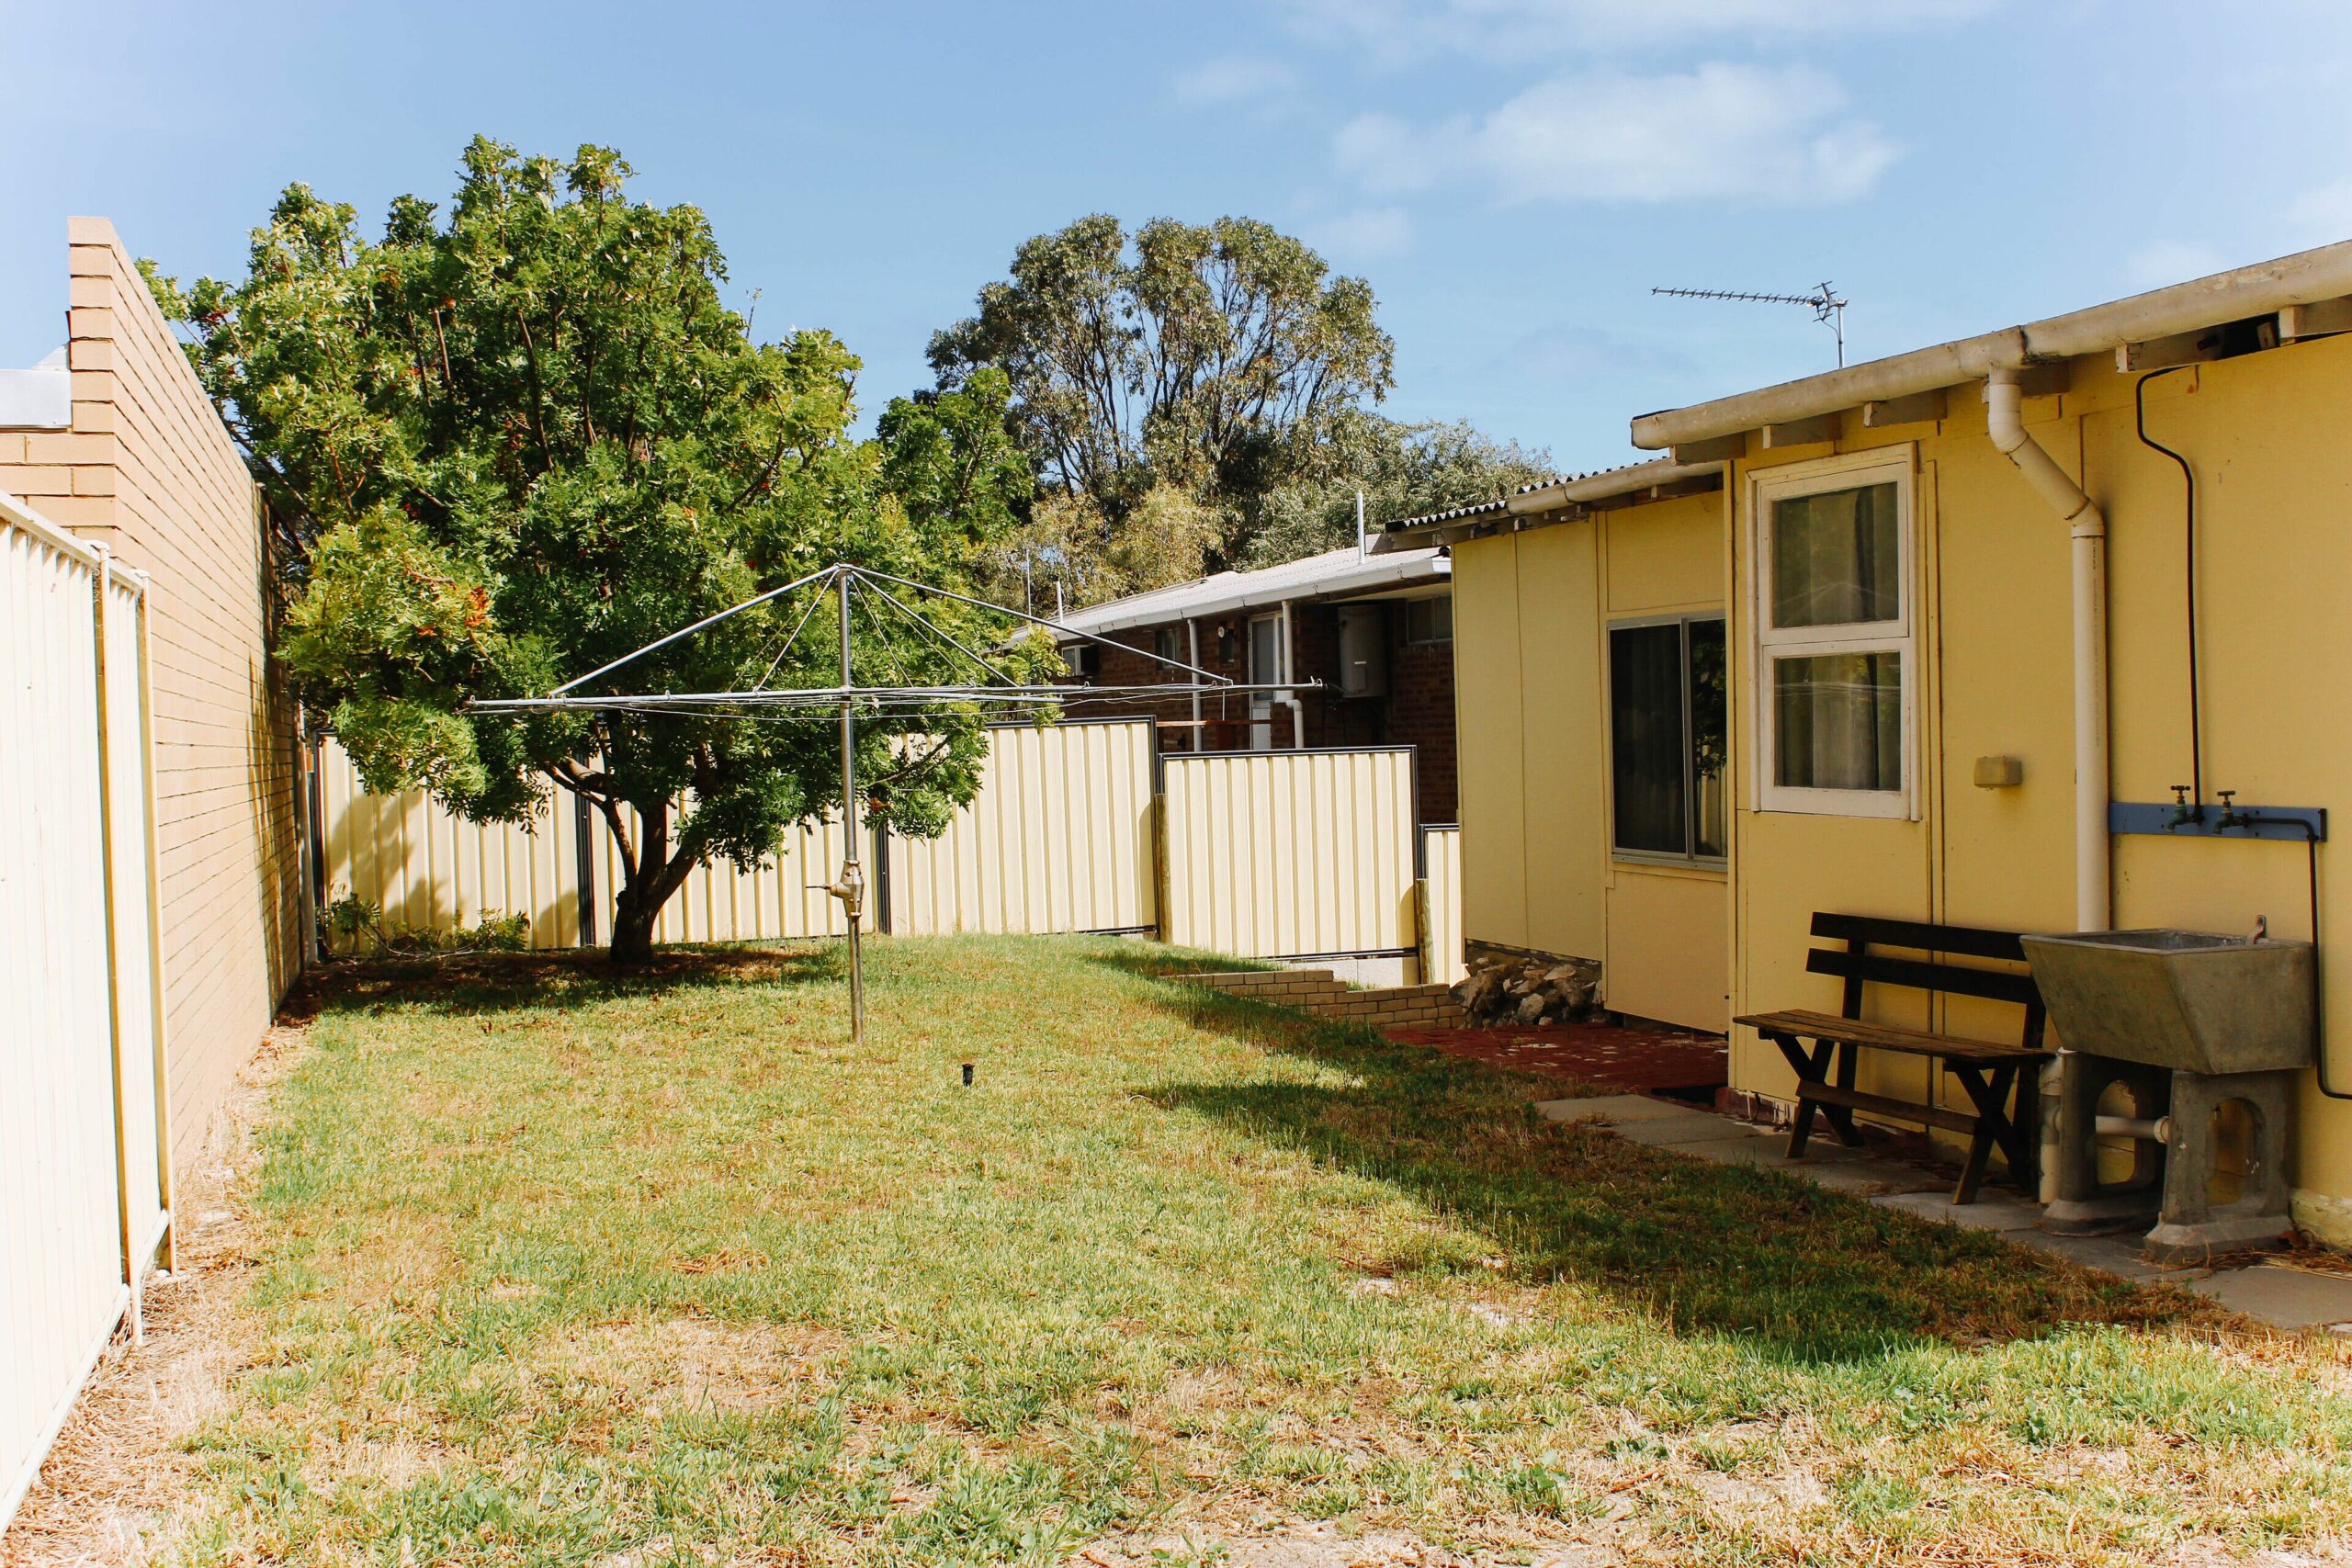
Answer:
[(2014, 632)]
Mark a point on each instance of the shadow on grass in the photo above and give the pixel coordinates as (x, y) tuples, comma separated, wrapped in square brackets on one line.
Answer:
[(1803, 1272), (503, 982)]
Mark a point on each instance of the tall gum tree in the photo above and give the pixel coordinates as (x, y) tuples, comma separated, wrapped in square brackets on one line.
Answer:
[(1207, 362), (507, 444)]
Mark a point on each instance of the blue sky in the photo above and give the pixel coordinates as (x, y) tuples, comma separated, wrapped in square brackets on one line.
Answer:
[(1512, 176)]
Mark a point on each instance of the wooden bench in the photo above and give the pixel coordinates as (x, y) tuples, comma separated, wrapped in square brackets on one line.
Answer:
[(1995, 1076)]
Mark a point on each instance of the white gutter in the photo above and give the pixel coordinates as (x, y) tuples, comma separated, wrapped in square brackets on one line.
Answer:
[(2262, 289), (1236, 591), (2088, 528)]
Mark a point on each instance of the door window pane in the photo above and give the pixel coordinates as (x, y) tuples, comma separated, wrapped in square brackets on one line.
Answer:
[(1708, 747), (1266, 651), (1835, 559), (1647, 747), (1838, 721)]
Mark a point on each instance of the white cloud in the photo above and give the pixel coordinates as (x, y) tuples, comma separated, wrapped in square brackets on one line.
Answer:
[(1747, 133), (2323, 214), (2162, 263), (1399, 32), (1230, 79), (1365, 234)]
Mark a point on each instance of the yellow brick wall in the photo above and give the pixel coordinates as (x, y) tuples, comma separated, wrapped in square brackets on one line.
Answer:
[(147, 470)]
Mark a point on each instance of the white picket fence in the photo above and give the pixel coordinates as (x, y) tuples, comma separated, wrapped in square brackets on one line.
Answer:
[(84, 1150)]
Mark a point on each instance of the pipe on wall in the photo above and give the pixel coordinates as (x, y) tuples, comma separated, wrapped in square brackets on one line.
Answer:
[(1290, 672), (2086, 527), (1193, 657)]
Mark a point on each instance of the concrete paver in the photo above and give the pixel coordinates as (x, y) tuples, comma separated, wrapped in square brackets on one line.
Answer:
[(1991, 1212), (2286, 1298), (2118, 1255), (1616, 1109), (2292, 1298), (1690, 1127)]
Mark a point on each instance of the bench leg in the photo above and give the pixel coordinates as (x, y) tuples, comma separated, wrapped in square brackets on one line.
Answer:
[(1839, 1117), (1991, 1127), (2020, 1142), (1811, 1068)]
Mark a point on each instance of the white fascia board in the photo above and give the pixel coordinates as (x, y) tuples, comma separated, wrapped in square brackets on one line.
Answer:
[(1231, 592), (2264, 289)]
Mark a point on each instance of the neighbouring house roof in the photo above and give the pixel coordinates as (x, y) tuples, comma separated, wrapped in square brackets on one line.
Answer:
[(1334, 574), (2305, 295), (1551, 500), (38, 399)]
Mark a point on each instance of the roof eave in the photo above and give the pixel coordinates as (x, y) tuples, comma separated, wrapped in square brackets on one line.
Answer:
[(2306, 277)]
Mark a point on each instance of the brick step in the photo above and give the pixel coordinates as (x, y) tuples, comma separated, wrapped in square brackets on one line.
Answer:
[(1320, 992)]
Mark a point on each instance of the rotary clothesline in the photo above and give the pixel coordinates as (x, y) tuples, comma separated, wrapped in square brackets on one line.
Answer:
[(846, 699)]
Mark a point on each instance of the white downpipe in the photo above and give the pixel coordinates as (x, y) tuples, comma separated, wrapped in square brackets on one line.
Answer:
[(2004, 423), (1193, 657), (1290, 672)]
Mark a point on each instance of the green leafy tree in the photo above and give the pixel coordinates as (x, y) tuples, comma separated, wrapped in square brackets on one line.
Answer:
[(1402, 470), (1207, 360), (504, 446)]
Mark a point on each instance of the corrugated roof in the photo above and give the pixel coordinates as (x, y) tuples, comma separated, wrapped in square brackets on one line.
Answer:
[(1334, 572), (1598, 485)]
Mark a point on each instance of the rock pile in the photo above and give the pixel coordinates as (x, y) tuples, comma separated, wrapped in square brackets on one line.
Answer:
[(1509, 989)]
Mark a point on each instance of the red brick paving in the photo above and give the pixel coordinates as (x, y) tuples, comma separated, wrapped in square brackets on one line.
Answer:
[(1625, 1059)]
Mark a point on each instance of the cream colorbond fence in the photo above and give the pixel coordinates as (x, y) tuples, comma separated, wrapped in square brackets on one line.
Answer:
[(1291, 854), (1059, 839), (783, 899), (1441, 904), (429, 870), (85, 1162), (1266, 854)]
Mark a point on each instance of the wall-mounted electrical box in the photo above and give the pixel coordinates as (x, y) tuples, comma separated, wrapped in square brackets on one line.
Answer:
[(1363, 651)]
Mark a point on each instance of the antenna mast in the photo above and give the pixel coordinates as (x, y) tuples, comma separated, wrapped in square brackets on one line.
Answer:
[(1823, 302)]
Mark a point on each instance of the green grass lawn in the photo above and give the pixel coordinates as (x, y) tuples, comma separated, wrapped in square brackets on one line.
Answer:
[(555, 1268)]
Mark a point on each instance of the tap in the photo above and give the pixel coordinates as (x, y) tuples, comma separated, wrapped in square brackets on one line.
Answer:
[(2231, 816), (2261, 930), (2182, 812)]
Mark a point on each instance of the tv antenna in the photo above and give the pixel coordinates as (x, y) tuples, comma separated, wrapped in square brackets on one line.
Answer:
[(1827, 308)]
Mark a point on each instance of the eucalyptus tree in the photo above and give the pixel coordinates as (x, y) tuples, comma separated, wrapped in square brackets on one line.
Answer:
[(1206, 362)]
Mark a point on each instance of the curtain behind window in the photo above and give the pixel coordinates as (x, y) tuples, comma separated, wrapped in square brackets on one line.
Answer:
[(1838, 721), (1646, 739), (1835, 558)]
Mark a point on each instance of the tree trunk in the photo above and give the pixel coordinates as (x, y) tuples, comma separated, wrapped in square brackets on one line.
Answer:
[(633, 918), (648, 878)]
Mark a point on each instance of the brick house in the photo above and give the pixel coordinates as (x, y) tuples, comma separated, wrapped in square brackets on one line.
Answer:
[(1376, 631)]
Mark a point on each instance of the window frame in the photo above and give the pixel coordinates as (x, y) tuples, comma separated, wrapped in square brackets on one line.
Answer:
[(1683, 620), (1432, 599), (1767, 643)]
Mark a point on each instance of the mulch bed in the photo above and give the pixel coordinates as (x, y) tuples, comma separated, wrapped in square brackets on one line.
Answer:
[(1627, 1060)]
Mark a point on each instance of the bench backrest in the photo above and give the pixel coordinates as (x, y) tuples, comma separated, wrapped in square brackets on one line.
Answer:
[(1858, 965)]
